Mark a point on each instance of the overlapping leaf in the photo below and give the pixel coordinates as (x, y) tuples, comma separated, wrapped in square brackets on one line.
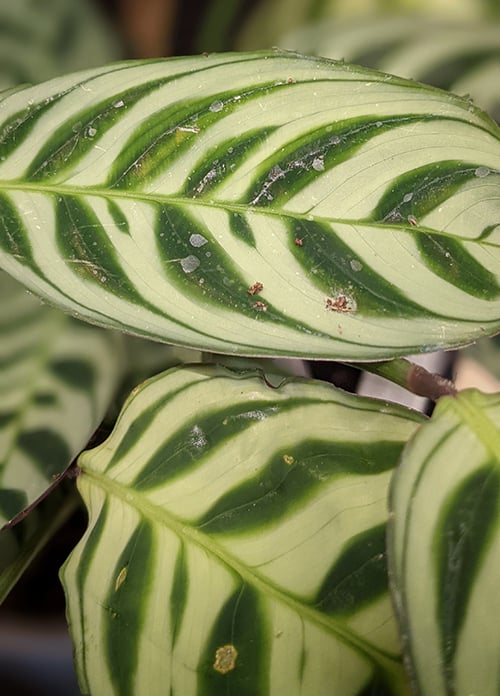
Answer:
[(259, 204), (445, 548), (57, 379), (462, 57), (39, 40), (236, 542)]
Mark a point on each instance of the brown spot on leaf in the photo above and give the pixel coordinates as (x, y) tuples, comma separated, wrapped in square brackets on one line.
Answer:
[(298, 242), (255, 288), (225, 659), (340, 303)]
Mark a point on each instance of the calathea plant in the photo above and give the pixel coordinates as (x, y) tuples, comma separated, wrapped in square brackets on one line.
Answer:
[(250, 533)]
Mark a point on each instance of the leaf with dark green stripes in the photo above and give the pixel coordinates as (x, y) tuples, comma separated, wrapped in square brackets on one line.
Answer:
[(255, 204), (236, 541), (445, 548), (57, 379)]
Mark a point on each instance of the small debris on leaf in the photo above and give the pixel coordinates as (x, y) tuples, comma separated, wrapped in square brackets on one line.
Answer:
[(122, 576), (260, 306), (412, 220), (298, 242), (255, 288), (288, 459), (341, 303)]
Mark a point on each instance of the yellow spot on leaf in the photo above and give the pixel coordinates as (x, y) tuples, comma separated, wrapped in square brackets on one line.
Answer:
[(122, 575), (225, 659), (288, 459)]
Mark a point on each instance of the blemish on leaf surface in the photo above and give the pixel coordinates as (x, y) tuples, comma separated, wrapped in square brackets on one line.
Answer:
[(225, 659)]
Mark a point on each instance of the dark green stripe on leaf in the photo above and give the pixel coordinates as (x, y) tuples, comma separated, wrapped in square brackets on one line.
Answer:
[(358, 576), (189, 445), (202, 270), (220, 163), (78, 135), (462, 536), (85, 246), (332, 266), (78, 374), (12, 501), (243, 669), (93, 541), (297, 164), (416, 193), (46, 449), (448, 259), (292, 477), (14, 239), (180, 591), (125, 610)]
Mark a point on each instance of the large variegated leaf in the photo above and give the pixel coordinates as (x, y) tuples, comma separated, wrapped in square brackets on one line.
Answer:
[(445, 548), (57, 378), (461, 57), (261, 203), (236, 542), (270, 19)]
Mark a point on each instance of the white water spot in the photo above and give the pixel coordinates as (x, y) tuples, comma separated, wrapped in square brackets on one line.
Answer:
[(118, 104), (190, 263), (318, 164), (197, 240), (407, 197), (91, 132), (356, 265), (216, 106), (379, 124), (336, 140), (198, 437), (230, 150), (481, 172)]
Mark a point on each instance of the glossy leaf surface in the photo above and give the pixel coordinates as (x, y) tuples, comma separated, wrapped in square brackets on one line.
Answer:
[(445, 548), (236, 542), (259, 204)]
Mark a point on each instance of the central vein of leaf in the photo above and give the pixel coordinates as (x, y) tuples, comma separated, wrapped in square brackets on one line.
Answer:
[(160, 516)]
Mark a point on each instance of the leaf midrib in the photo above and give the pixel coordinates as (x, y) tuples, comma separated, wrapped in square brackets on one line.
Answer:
[(165, 518), (231, 207)]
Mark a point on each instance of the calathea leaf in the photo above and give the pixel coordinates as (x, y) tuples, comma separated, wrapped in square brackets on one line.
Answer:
[(445, 548), (260, 204), (236, 542), (57, 378)]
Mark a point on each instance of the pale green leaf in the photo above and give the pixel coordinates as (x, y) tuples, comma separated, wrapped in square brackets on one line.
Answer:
[(462, 57), (39, 40), (445, 548), (57, 378), (258, 204), (236, 542), (271, 19)]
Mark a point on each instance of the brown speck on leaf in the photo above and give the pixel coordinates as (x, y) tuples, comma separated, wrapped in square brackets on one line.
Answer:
[(260, 306), (412, 220), (298, 241), (122, 576), (225, 659), (341, 303), (288, 459), (290, 80), (255, 288)]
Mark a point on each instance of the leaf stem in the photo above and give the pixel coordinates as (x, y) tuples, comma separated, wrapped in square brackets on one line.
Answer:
[(413, 377)]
